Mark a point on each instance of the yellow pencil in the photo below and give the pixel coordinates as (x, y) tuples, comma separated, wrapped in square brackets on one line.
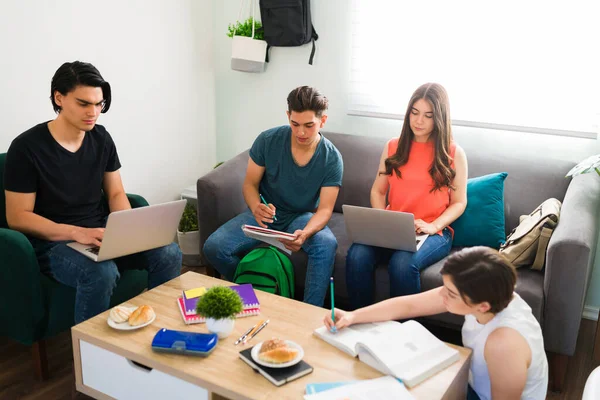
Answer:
[(255, 328)]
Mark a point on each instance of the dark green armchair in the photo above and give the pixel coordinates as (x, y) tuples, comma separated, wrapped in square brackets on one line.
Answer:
[(33, 306)]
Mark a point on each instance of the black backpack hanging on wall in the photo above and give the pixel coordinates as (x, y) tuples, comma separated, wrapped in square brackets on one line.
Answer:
[(287, 23)]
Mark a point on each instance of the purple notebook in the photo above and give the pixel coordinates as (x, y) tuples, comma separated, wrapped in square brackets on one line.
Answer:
[(246, 292)]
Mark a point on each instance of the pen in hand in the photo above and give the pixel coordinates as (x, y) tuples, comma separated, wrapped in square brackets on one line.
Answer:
[(333, 328), (266, 204)]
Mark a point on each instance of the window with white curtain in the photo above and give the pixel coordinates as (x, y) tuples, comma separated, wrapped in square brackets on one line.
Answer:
[(526, 66)]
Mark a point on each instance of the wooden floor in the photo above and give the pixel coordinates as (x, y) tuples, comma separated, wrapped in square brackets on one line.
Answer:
[(17, 381)]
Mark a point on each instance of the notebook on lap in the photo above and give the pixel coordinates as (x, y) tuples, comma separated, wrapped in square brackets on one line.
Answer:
[(139, 229), (382, 228)]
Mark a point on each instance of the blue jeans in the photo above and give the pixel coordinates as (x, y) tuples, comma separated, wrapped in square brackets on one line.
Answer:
[(94, 282), (223, 248), (404, 267)]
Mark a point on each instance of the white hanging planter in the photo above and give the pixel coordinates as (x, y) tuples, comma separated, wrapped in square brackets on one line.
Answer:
[(189, 242), (222, 327), (248, 54)]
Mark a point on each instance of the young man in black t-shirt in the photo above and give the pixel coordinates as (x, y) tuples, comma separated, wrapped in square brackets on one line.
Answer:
[(54, 177)]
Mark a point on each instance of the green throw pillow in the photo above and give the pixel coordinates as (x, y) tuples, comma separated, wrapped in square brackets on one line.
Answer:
[(482, 223)]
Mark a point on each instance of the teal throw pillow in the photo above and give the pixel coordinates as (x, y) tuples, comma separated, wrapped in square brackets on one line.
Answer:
[(482, 223)]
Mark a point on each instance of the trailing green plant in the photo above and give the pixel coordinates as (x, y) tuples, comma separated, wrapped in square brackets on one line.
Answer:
[(217, 164), (189, 219), (245, 29), (219, 302), (590, 164)]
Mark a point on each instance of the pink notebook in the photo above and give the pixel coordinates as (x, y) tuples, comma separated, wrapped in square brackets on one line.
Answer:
[(198, 319)]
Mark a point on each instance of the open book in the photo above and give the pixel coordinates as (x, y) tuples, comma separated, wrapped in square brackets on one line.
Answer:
[(269, 236), (407, 351)]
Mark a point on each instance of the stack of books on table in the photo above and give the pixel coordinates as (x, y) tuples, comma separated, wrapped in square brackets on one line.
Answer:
[(187, 303)]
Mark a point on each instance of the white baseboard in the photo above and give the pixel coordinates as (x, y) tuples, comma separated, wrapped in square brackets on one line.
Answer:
[(590, 312)]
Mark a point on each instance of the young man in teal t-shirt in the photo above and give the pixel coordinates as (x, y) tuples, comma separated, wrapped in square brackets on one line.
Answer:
[(299, 173)]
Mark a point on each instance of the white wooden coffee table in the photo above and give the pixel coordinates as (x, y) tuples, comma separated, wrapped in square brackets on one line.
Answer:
[(121, 364)]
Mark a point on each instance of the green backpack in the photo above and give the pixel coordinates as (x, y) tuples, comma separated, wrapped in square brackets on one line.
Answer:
[(267, 269)]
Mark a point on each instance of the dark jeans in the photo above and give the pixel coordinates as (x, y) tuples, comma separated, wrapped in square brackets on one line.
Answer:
[(223, 248), (95, 281), (404, 267)]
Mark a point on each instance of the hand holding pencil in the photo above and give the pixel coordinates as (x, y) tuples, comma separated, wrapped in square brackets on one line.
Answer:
[(340, 320), (264, 213)]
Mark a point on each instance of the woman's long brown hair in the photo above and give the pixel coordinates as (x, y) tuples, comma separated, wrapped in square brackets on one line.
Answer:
[(441, 171)]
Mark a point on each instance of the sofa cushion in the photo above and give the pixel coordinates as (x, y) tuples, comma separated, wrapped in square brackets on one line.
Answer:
[(361, 161), (530, 181), (482, 223)]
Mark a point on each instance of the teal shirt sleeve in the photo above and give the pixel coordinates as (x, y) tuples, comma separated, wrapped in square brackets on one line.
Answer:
[(335, 168), (257, 151)]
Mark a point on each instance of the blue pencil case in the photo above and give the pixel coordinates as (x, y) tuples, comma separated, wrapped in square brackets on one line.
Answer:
[(198, 344)]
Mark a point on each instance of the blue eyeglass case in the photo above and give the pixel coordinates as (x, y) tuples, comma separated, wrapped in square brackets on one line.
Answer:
[(198, 344)]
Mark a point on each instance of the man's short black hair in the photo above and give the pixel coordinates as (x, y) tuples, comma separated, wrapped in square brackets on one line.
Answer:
[(76, 73)]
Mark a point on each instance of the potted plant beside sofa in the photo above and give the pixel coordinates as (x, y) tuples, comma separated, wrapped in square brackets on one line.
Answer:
[(219, 305), (188, 235)]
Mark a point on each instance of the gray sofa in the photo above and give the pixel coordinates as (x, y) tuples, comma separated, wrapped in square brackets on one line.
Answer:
[(556, 294)]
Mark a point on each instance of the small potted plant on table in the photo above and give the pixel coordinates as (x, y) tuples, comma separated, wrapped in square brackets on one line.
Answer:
[(219, 305)]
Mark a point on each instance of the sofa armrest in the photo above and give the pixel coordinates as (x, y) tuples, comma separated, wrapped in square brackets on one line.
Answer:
[(220, 196), (21, 301), (136, 200), (569, 261)]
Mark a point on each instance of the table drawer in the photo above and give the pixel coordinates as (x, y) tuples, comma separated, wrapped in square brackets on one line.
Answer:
[(120, 378)]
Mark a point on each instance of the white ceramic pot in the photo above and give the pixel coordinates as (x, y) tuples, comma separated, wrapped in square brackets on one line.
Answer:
[(222, 327), (248, 54), (189, 242)]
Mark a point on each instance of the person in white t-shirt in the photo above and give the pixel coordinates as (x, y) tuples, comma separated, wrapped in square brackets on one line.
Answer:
[(508, 360)]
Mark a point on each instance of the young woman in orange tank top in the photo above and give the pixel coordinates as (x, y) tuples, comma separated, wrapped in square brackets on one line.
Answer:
[(424, 173)]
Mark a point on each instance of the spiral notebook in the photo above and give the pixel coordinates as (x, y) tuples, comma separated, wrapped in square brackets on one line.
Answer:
[(198, 319), (246, 292)]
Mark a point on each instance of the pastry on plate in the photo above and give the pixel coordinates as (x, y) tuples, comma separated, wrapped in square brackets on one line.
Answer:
[(120, 314), (141, 315), (277, 351)]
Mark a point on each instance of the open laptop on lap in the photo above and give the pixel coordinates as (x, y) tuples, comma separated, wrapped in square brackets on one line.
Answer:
[(132, 231), (382, 228)]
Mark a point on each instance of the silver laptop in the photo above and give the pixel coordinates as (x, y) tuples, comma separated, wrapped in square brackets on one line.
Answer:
[(139, 229), (382, 228)]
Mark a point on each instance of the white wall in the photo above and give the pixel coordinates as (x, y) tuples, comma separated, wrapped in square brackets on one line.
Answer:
[(157, 56), (247, 104)]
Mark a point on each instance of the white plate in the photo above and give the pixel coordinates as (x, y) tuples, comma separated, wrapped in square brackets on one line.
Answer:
[(256, 350), (124, 326)]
